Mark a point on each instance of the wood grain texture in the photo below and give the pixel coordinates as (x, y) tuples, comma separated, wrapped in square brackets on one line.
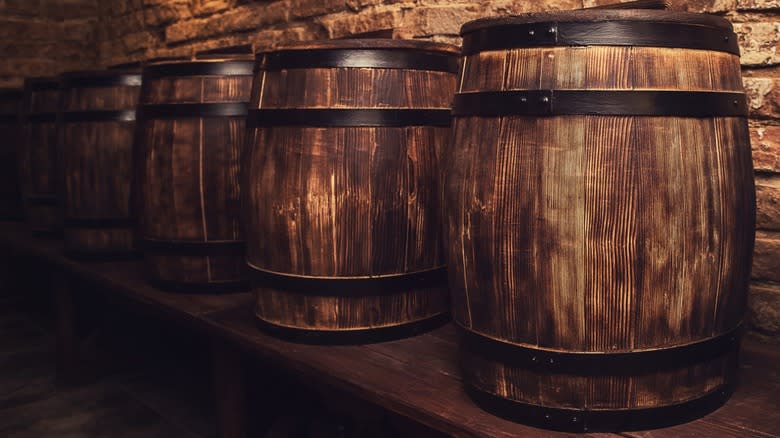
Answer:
[(10, 135), (37, 157), (97, 166), (334, 202), (599, 233), (188, 177)]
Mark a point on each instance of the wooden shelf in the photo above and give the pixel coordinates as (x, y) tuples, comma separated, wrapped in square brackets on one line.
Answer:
[(416, 377)]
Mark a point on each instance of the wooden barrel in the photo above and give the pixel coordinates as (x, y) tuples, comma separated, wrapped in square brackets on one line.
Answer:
[(190, 132), (97, 124), (37, 156), (10, 136), (600, 214), (342, 189)]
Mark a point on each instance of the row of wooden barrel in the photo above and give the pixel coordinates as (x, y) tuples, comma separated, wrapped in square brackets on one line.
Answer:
[(593, 198)]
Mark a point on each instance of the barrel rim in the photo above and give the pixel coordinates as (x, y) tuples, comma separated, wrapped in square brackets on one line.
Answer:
[(582, 420), (200, 67), (227, 52), (599, 15), (367, 43), (41, 83), (100, 78)]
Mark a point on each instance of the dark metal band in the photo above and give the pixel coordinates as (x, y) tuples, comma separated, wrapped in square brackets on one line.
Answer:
[(134, 65), (125, 80), (576, 420), (199, 288), (184, 248), (360, 336), (107, 223), (348, 117), (184, 110), (226, 68), (220, 52), (362, 58), (590, 364), (99, 116), (41, 200), (601, 33), (102, 255), (43, 85), (9, 118), (41, 117), (349, 286), (596, 102)]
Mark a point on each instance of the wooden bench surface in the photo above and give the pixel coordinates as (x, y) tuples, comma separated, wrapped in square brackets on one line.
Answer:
[(416, 377)]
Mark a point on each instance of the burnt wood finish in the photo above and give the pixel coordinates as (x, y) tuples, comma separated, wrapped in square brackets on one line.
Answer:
[(190, 132), (38, 154), (96, 141), (581, 235), (342, 185), (10, 135), (417, 378)]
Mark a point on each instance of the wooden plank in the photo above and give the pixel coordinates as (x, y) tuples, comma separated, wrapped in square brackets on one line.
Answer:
[(66, 340), (230, 397), (751, 411), (387, 375), (125, 278), (417, 378)]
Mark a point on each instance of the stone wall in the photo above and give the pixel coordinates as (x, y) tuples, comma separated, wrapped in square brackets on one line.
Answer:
[(47, 36), (42, 37)]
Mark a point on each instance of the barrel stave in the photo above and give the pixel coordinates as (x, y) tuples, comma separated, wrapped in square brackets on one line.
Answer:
[(96, 134), (601, 233), (346, 203), (189, 177), (37, 154)]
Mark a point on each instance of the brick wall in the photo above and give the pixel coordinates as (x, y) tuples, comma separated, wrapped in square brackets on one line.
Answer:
[(41, 37), (47, 36)]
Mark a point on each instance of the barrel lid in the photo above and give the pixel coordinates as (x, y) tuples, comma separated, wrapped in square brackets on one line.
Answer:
[(601, 27), (371, 43), (201, 67), (101, 78), (131, 65), (40, 83), (381, 53), (599, 15), (242, 51)]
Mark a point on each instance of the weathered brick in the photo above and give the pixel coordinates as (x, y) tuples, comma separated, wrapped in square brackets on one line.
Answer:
[(768, 203), (509, 7), (348, 23), (23, 67), (764, 96), (758, 42), (766, 256), (765, 143), (72, 9), (242, 18), (440, 20), (169, 12), (757, 5), (78, 30), (11, 30), (206, 7), (138, 41), (308, 8), (764, 309)]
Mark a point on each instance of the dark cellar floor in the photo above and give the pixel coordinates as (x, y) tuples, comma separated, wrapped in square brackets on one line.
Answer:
[(146, 378), (149, 395)]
